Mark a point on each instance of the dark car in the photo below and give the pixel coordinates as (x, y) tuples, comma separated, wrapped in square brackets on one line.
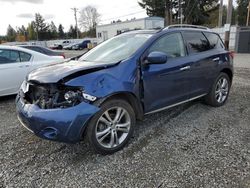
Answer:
[(43, 50), (120, 81), (81, 45)]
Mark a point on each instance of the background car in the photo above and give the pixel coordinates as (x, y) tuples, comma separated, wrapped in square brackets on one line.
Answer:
[(59, 46), (69, 47), (82, 45), (43, 50), (16, 63)]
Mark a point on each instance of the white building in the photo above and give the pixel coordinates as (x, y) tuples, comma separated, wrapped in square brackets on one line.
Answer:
[(104, 32)]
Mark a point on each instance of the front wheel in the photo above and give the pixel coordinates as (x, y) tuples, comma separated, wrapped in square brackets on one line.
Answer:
[(110, 129), (219, 92)]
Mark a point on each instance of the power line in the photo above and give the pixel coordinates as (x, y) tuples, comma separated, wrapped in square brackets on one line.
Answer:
[(114, 18)]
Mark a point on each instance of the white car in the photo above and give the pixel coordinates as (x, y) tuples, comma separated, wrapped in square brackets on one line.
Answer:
[(60, 45), (69, 47), (16, 63)]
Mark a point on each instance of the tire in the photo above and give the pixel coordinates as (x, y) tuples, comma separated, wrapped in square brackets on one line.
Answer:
[(60, 47), (102, 127), (218, 94)]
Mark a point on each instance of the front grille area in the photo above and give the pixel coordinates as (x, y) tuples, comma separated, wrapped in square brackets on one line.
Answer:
[(47, 96)]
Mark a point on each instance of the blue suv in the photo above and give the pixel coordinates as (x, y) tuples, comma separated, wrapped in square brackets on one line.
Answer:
[(100, 96)]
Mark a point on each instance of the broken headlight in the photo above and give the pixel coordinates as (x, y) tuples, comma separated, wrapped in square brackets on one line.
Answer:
[(49, 96), (72, 96)]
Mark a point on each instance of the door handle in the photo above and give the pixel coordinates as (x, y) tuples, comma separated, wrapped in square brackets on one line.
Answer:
[(216, 59), (185, 68), (22, 66)]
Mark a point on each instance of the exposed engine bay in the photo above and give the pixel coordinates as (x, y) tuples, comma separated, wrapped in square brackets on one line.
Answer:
[(49, 96)]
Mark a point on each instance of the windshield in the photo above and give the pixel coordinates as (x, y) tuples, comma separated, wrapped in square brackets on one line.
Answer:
[(116, 49)]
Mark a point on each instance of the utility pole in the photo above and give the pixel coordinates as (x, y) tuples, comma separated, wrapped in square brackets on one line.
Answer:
[(75, 11), (248, 14), (180, 11), (229, 21), (220, 13)]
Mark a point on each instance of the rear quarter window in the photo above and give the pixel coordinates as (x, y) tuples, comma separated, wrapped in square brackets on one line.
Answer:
[(24, 56), (196, 42), (215, 41)]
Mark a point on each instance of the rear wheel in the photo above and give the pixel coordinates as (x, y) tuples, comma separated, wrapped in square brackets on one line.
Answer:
[(110, 129), (220, 91)]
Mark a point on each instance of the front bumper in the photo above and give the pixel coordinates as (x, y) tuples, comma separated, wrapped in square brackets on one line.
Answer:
[(64, 125)]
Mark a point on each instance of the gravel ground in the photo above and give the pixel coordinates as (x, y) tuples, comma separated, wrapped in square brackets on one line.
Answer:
[(192, 145)]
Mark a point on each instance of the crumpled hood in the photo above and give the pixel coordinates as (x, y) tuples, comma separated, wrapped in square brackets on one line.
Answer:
[(57, 72)]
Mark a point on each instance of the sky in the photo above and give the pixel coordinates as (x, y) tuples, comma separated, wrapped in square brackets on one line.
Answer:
[(21, 12)]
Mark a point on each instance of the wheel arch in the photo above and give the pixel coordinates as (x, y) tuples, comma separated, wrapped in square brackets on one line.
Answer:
[(130, 98), (228, 72)]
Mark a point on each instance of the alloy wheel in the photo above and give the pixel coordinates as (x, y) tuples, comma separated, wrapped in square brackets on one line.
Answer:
[(222, 90), (113, 127)]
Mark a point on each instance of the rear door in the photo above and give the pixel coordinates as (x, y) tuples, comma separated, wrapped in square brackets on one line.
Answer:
[(169, 83), (203, 65), (217, 55), (14, 66)]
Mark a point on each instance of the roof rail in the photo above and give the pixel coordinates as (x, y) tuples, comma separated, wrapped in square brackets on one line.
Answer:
[(187, 26)]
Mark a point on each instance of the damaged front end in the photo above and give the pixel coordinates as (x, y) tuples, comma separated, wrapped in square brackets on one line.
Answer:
[(55, 111), (54, 95)]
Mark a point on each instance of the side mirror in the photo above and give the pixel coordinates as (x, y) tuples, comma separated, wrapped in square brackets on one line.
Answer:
[(157, 58)]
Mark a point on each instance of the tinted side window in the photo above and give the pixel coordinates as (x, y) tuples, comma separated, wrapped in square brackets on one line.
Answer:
[(214, 40), (37, 49), (9, 56), (47, 51), (171, 44), (196, 42), (24, 57)]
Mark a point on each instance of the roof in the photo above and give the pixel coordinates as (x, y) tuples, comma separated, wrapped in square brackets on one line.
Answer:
[(170, 29), (22, 50), (187, 26), (142, 31)]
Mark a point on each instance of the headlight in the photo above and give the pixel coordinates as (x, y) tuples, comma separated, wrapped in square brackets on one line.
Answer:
[(25, 87), (72, 96)]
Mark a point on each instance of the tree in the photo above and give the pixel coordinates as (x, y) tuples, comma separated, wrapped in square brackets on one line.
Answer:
[(194, 11), (242, 12), (53, 31), (161, 8), (11, 34), (31, 31), (41, 27), (22, 34), (2, 39), (61, 33), (197, 12), (72, 32), (22, 30), (89, 18)]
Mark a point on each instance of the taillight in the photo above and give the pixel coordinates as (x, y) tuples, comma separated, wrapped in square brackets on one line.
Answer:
[(63, 55), (231, 53)]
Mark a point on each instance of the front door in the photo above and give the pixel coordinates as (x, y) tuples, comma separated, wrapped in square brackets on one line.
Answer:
[(167, 84)]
